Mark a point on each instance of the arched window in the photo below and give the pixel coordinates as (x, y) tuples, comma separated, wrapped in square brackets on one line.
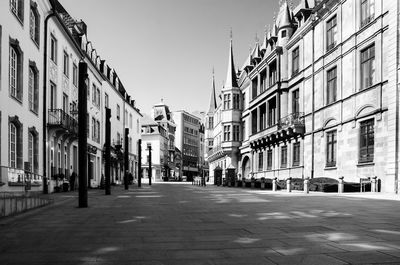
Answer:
[(13, 146)]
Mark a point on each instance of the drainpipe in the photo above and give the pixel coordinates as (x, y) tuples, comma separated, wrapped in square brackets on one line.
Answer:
[(313, 104), (52, 14)]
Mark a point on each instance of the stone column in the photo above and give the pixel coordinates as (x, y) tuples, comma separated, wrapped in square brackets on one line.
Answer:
[(341, 185), (306, 185), (274, 184), (374, 183), (289, 184)]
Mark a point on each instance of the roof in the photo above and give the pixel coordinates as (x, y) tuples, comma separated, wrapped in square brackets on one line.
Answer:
[(231, 73), (147, 120), (213, 100)]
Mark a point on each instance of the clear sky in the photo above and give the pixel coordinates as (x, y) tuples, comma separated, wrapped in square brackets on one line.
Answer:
[(167, 48)]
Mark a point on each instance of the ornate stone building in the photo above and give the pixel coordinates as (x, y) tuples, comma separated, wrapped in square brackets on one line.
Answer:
[(318, 96)]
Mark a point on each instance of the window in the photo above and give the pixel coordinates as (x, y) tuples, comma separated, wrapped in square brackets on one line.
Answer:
[(296, 154), (272, 73), (366, 141), (106, 103), (254, 88), (94, 94), (269, 159), (210, 122), (53, 96), (260, 161), (227, 133), (15, 70), (75, 75), (284, 156), (33, 88), (65, 103), (263, 81), (295, 101), (66, 64), (126, 118), (367, 67), (98, 131), (227, 101), (331, 33), (367, 11), (331, 86), (98, 97), (34, 24), (130, 121), (236, 99), (263, 117), (17, 8), (118, 112), (295, 61), (331, 141), (87, 126), (53, 49), (272, 112), (94, 129), (254, 121), (283, 34), (13, 145), (236, 133)]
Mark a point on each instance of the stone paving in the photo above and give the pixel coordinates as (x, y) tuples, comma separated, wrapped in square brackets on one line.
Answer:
[(185, 224)]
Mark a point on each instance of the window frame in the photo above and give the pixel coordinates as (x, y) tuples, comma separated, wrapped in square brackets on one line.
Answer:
[(295, 61), (260, 161), (53, 49), (331, 85), (368, 64), (34, 26), (296, 154), (284, 162), (331, 33), (369, 125), (367, 16), (331, 148)]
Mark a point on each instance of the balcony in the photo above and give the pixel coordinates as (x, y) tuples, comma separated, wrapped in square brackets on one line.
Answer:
[(287, 127), (215, 153), (294, 122), (59, 119)]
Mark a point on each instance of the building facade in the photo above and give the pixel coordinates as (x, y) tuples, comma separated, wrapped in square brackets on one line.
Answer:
[(187, 140), (318, 96), (39, 134)]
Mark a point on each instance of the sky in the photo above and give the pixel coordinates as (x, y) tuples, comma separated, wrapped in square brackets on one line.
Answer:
[(166, 49)]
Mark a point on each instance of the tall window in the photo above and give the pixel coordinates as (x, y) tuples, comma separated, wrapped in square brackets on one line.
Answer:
[(269, 159), (331, 142), (98, 131), (296, 101), (284, 156), (130, 120), (210, 122), (98, 97), (31, 150), (331, 85), (296, 154), (33, 89), (118, 112), (272, 112), (66, 64), (236, 133), (227, 133), (13, 145), (295, 61), (227, 101), (367, 11), (94, 130), (15, 70), (367, 67), (53, 49), (75, 75), (331, 33), (260, 161), (263, 116), (254, 88), (65, 103), (236, 104), (34, 24), (272, 73), (106, 100), (94, 94), (367, 141), (17, 8), (53, 96)]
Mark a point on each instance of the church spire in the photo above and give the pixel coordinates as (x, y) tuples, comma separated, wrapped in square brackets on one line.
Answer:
[(231, 74), (213, 100)]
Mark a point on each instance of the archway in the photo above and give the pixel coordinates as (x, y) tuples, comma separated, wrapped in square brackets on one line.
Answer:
[(246, 167)]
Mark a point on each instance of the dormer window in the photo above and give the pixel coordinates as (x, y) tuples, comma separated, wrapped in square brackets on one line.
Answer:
[(283, 34)]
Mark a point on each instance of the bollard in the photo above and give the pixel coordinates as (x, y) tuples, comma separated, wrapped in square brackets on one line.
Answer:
[(274, 184), (289, 184), (341, 185), (374, 184), (263, 183), (253, 183), (306, 185)]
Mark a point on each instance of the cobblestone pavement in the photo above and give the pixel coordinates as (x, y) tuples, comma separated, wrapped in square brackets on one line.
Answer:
[(185, 224)]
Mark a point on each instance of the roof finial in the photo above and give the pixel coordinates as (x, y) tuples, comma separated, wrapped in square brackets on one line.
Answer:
[(230, 34), (213, 71), (162, 100), (256, 38)]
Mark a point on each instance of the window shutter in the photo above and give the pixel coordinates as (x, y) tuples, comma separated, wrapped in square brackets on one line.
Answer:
[(19, 147)]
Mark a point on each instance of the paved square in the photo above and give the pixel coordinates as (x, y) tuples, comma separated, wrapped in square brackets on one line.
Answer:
[(184, 224)]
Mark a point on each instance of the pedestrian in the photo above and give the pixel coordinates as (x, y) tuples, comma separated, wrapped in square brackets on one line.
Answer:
[(72, 181)]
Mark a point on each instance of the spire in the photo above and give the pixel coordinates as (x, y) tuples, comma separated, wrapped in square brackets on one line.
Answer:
[(231, 74), (285, 18), (213, 101)]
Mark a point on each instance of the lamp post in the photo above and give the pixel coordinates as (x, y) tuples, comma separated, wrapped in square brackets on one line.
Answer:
[(108, 153), (82, 133), (140, 163), (126, 159), (150, 171)]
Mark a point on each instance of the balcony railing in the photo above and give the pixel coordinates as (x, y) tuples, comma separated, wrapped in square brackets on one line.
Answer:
[(293, 120), (59, 118)]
